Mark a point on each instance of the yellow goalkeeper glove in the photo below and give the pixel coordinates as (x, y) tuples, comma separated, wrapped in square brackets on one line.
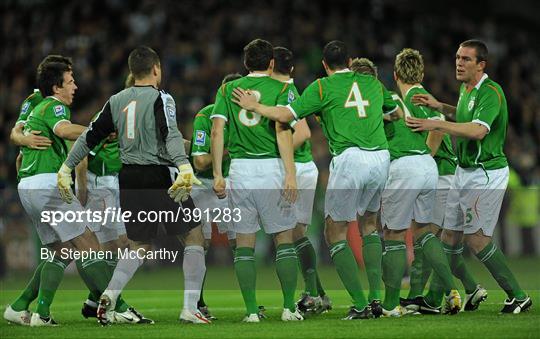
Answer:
[(181, 188), (63, 180)]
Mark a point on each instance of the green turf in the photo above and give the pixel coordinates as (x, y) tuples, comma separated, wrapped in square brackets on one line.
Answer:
[(157, 293)]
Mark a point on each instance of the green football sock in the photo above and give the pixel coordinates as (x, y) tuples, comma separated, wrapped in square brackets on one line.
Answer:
[(347, 269), (494, 260), (435, 257), (435, 293), (417, 272), (320, 288), (30, 292), (372, 253), (287, 271), (51, 276), (394, 264), (98, 273), (94, 292), (308, 264), (426, 273), (244, 266), (458, 266)]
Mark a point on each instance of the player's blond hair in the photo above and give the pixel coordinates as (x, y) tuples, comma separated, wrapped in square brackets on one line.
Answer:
[(409, 66), (364, 66)]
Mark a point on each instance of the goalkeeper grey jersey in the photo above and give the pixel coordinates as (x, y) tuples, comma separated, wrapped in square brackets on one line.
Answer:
[(145, 120)]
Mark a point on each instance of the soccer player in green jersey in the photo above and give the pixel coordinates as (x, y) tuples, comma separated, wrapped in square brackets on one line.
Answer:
[(443, 153), (314, 298), (32, 139), (410, 192), (477, 192), (38, 193), (262, 177), (211, 207), (350, 107)]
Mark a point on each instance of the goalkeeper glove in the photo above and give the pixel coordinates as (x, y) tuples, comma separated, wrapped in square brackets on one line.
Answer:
[(180, 189), (63, 180)]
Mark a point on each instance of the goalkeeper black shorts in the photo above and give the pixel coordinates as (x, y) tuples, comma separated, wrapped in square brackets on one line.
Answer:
[(143, 193)]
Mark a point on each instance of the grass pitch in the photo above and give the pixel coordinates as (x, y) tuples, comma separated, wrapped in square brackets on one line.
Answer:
[(158, 294)]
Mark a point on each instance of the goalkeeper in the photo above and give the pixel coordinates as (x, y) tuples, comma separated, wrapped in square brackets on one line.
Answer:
[(152, 153)]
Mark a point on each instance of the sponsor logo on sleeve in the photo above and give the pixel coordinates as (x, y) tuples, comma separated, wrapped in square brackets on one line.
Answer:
[(200, 138), (59, 110)]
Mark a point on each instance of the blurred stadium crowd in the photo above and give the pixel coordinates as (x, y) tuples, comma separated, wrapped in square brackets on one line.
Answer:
[(201, 41)]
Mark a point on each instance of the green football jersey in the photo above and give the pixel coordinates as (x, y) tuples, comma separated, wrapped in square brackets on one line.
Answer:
[(303, 153), (44, 117), (484, 104), (251, 136), (104, 159), (350, 107), (28, 105), (445, 157), (402, 141), (200, 141)]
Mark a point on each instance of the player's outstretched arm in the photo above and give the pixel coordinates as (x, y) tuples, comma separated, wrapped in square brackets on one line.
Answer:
[(216, 151), (285, 144), (249, 101), (429, 101), (67, 130), (31, 140), (469, 130)]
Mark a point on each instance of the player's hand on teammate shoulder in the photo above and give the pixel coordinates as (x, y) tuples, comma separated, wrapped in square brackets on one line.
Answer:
[(181, 188), (426, 100), (33, 140), (245, 99), (419, 125), (219, 187), (64, 181)]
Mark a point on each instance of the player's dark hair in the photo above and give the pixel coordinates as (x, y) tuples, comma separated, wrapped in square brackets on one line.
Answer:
[(480, 48), (231, 77), (283, 60), (336, 55), (257, 55), (141, 61), (51, 74), (55, 58)]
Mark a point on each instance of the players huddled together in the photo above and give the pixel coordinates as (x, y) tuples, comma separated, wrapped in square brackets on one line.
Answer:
[(394, 168)]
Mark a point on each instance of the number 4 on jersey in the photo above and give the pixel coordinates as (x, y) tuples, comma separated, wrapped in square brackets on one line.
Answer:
[(355, 100)]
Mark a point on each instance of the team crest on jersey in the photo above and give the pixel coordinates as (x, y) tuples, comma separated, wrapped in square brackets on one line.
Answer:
[(25, 108), (59, 110), (290, 97), (471, 104), (200, 138)]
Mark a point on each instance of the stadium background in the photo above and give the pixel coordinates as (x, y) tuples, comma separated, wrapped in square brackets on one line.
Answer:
[(199, 42)]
